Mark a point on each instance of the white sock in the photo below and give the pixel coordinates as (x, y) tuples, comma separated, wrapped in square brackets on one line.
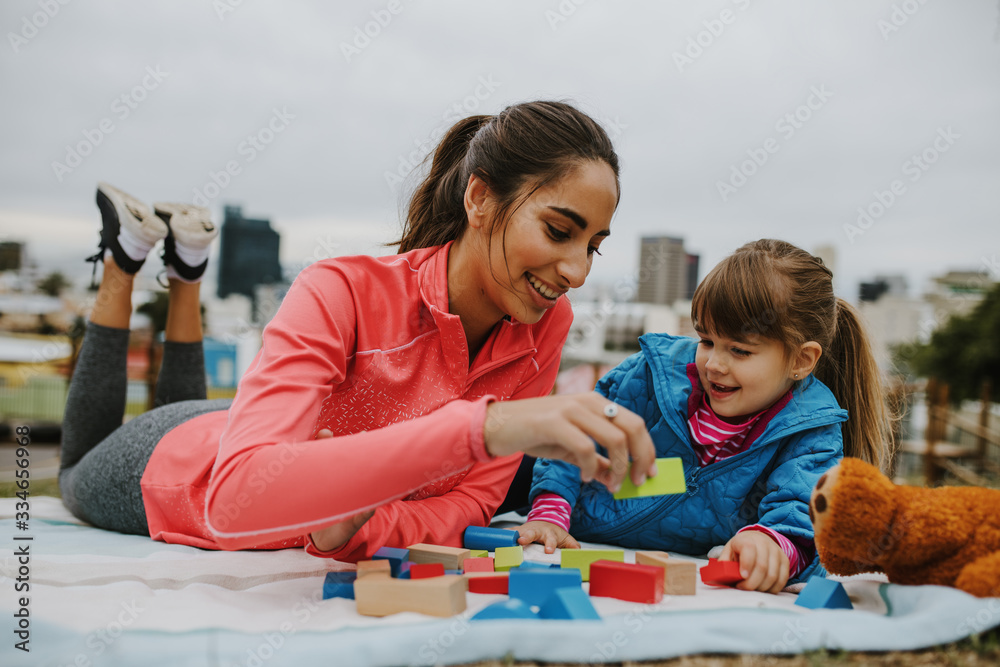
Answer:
[(134, 245), (190, 256)]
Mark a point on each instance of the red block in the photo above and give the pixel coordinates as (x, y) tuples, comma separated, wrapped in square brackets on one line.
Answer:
[(489, 583), (426, 570), (626, 581), (721, 572), (478, 565)]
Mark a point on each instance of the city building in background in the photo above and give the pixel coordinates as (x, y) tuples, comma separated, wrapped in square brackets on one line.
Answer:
[(667, 272), (248, 254)]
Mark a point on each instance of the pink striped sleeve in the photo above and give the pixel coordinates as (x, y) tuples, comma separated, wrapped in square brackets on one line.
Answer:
[(796, 560), (552, 508)]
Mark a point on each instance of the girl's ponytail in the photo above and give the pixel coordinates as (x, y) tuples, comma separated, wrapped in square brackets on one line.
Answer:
[(437, 209), (849, 369)]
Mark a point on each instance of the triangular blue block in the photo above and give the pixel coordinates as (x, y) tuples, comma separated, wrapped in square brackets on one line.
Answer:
[(571, 604), (339, 585), (511, 608), (396, 557), (823, 593)]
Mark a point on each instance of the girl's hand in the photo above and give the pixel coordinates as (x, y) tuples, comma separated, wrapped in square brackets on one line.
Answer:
[(763, 565), (546, 533), (565, 428), (335, 536)]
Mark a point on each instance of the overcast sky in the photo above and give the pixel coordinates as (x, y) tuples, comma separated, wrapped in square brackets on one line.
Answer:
[(733, 120)]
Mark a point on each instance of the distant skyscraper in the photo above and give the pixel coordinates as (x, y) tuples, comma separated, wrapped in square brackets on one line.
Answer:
[(248, 255), (692, 275), (663, 270)]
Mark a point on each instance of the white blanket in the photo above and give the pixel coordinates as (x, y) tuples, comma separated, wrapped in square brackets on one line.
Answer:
[(97, 597)]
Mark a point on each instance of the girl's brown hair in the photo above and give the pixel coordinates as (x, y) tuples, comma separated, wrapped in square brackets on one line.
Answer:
[(774, 290), (525, 145)]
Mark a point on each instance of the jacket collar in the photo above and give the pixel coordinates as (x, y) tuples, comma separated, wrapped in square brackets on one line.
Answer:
[(508, 340)]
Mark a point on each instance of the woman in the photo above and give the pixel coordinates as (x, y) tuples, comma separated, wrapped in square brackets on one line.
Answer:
[(376, 412)]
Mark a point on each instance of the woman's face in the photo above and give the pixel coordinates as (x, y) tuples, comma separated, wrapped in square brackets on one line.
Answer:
[(549, 242)]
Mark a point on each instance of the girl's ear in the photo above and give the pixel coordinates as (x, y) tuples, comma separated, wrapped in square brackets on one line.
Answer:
[(806, 359), (476, 202)]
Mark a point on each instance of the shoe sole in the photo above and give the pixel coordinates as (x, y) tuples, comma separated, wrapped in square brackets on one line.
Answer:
[(190, 225), (116, 204)]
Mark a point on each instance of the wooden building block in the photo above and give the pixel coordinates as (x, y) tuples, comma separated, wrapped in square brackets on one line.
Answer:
[(450, 557), (823, 593), (681, 577), (505, 558), (512, 608), (721, 572), (437, 596), (570, 604), (484, 537), (478, 565), (396, 558), (534, 586), (582, 558), (626, 581), (479, 553), (366, 567), (426, 570), (669, 480), (488, 582), (339, 585)]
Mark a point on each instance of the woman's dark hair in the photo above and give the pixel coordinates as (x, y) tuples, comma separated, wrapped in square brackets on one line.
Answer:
[(531, 143)]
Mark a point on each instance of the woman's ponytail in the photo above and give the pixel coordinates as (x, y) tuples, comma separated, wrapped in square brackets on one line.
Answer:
[(437, 209)]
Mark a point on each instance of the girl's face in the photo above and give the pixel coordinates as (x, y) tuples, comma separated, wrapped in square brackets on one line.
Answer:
[(742, 378), (550, 241)]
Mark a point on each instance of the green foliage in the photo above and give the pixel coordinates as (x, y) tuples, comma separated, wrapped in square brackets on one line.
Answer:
[(53, 284), (963, 352)]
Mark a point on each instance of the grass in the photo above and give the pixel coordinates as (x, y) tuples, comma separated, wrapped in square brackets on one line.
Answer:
[(979, 649)]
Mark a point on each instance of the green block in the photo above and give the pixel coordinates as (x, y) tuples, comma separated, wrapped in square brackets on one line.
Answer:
[(582, 558), (479, 553), (505, 558), (669, 480)]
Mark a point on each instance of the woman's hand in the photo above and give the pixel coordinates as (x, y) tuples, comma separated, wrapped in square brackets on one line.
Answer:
[(335, 536), (546, 533), (565, 428), (763, 565)]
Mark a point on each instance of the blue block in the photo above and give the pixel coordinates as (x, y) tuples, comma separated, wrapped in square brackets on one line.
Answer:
[(823, 593), (527, 565), (396, 558), (488, 539), (505, 609), (339, 585), (570, 604), (535, 585)]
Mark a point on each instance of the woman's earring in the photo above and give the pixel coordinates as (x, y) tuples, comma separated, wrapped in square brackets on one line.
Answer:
[(796, 376)]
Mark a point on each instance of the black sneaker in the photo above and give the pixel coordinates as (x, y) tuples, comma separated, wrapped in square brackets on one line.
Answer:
[(118, 210), (192, 227)]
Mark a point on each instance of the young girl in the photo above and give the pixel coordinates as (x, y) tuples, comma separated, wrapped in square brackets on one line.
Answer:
[(373, 413), (753, 409)]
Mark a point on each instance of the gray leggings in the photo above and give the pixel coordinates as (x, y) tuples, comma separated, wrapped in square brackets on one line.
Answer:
[(103, 459)]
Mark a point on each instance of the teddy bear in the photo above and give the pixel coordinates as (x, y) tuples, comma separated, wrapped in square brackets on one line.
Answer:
[(949, 536)]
